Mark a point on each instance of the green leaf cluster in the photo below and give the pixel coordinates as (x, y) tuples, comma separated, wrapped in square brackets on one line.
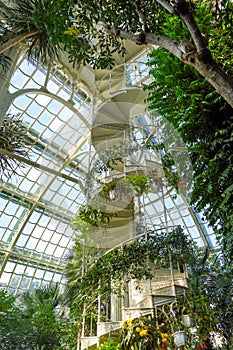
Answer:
[(93, 215), (30, 321), (202, 117), (110, 344), (140, 333), (128, 262), (140, 183)]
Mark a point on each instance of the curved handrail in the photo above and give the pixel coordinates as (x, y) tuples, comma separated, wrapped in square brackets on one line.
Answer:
[(132, 74)]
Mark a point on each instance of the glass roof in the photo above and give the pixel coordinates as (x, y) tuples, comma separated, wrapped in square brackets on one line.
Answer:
[(38, 206)]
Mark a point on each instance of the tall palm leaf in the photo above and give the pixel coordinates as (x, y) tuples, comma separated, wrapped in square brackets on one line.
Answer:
[(44, 297)]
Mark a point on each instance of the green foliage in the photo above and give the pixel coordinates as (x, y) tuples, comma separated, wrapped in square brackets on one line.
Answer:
[(140, 183), (128, 262), (80, 27), (74, 27), (215, 21), (93, 215), (31, 320), (6, 302), (20, 20), (12, 326), (13, 138), (198, 307), (110, 344), (211, 276), (39, 306), (201, 116), (205, 124), (140, 333)]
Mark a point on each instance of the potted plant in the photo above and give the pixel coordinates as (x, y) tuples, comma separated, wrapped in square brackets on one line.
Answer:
[(192, 315), (180, 338)]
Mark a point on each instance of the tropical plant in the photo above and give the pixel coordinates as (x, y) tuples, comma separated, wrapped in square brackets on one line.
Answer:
[(141, 333), (157, 332), (150, 332), (41, 307), (13, 140), (31, 320), (19, 26), (12, 325), (210, 276), (204, 121), (202, 314)]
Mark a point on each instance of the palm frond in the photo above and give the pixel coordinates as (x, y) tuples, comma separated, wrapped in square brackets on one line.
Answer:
[(5, 63), (13, 138), (19, 21)]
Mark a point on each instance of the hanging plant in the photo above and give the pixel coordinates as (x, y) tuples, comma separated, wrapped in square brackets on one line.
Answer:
[(140, 183), (109, 186), (131, 260), (116, 186), (94, 215), (14, 139), (199, 309)]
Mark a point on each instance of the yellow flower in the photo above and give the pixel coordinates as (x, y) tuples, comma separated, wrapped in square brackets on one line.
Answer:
[(72, 31), (138, 329), (129, 320), (143, 333), (164, 335), (165, 341)]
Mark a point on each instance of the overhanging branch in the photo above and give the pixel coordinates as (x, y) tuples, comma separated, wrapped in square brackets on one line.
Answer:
[(181, 8), (145, 38), (166, 5)]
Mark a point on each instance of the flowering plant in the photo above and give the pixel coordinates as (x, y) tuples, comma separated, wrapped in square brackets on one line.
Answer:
[(142, 333)]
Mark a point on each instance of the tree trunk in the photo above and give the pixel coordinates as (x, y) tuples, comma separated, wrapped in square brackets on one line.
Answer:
[(17, 40), (222, 82)]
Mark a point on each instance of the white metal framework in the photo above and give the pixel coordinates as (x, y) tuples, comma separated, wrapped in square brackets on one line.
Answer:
[(37, 207)]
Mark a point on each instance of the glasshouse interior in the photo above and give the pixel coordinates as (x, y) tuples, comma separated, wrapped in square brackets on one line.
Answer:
[(116, 124)]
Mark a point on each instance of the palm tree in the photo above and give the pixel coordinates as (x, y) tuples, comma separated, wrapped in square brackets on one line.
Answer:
[(41, 307), (13, 140), (17, 25)]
